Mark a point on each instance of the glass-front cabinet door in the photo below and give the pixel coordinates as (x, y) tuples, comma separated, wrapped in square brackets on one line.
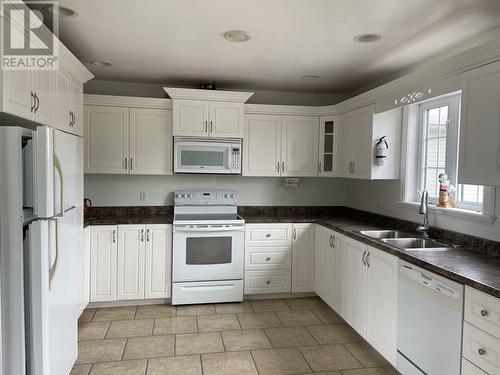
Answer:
[(327, 146)]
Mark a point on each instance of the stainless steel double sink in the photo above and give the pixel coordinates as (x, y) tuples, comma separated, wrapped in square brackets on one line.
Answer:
[(406, 241)]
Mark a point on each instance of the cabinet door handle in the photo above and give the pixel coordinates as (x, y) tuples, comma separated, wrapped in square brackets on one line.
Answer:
[(484, 313), (268, 282), (319, 167), (363, 258), (268, 235), (74, 118), (268, 259), (125, 163), (147, 235), (211, 127), (353, 167), (282, 166), (333, 241), (131, 163), (330, 240), (294, 233), (206, 126), (481, 351), (114, 235), (368, 258), (142, 235)]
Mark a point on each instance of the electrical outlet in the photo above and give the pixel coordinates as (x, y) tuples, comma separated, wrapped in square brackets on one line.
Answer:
[(143, 195)]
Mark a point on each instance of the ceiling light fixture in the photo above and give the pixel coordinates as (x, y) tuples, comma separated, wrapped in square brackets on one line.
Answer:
[(100, 63), (60, 11), (310, 77), (237, 36), (367, 38)]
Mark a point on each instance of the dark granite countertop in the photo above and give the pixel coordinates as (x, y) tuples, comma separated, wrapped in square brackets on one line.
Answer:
[(476, 264)]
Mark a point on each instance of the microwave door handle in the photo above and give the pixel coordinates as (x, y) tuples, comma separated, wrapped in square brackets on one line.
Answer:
[(57, 166)]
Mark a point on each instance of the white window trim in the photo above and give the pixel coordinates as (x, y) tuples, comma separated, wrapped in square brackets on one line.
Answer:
[(409, 175)]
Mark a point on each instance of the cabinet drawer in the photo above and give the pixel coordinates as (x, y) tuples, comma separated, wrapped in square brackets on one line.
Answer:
[(265, 258), (483, 311), (470, 369), (257, 282), (481, 349), (268, 234)]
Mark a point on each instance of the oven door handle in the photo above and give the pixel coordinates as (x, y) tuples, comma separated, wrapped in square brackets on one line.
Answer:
[(209, 229)]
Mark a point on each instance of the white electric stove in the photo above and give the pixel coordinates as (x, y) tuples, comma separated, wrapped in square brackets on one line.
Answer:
[(208, 248)]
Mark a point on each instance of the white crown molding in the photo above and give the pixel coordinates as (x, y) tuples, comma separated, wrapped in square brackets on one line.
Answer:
[(127, 101), (217, 95), (292, 110)]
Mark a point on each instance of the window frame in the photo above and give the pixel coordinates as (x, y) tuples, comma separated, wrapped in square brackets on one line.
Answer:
[(410, 169)]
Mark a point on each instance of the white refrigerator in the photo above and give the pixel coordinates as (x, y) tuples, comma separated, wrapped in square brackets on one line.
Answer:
[(41, 191)]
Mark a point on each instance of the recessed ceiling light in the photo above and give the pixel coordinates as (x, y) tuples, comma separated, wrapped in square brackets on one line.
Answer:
[(367, 38), (100, 63), (60, 11), (237, 36), (310, 77)]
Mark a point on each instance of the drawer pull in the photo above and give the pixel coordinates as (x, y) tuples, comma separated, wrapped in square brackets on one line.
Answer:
[(268, 235), (481, 351), (268, 259), (484, 313), (268, 282)]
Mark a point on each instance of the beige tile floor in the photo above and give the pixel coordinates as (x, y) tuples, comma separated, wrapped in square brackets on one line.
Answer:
[(264, 337)]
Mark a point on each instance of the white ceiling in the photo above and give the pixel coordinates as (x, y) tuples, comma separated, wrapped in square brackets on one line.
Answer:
[(179, 42)]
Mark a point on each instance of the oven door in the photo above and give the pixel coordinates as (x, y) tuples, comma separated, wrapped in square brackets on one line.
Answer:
[(207, 253), (202, 157)]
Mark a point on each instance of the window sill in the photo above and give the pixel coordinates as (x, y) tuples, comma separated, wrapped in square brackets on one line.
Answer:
[(454, 212)]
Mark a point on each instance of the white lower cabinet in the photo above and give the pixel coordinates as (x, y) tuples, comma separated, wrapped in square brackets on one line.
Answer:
[(279, 258), (158, 273), (329, 249), (130, 262), (131, 257), (103, 257), (381, 308), (481, 334), (303, 258), (355, 285), (85, 269)]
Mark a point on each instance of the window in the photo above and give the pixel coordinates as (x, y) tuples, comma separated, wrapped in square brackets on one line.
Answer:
[(437, 152)]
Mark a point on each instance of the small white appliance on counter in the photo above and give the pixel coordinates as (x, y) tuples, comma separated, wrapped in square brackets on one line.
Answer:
[(207, 155), (430, 314), (41, 180), (208, 248)]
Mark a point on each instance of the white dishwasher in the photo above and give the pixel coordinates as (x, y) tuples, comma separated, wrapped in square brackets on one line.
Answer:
[(430, 314)]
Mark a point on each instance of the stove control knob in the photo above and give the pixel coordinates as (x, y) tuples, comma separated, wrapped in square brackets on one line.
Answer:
[(232, 196), (226, 195), (177, 195), (190, 195)]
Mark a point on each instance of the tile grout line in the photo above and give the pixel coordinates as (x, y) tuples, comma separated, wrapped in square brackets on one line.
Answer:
[(304, 358)]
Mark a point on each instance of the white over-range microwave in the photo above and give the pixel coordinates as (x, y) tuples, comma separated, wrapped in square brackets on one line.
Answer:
[(207, 155)]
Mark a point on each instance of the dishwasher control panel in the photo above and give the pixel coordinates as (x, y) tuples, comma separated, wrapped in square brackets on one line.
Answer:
[(428, 282)]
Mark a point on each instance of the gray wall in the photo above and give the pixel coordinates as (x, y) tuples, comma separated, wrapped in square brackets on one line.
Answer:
[(124, 190), (154, 90), (383, 196)]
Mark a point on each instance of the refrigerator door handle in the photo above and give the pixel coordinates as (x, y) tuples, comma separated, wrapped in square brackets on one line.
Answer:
[(53, 267), (57, 166)]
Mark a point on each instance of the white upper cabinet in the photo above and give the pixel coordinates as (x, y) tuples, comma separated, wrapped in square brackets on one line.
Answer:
[(359, 132), (106, 139), (262, 145), (280, 146), (208, 113), (191, 117), (62, 118), (303, 258), (127, 140), (299, 146), (327, 146), (226, 119), (150, 141), (479, 160), (29, 94)]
